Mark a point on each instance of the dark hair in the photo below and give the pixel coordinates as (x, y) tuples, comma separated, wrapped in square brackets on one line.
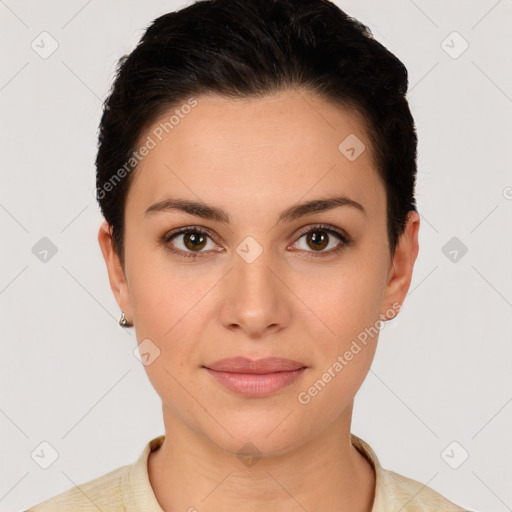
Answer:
[(250, 48)]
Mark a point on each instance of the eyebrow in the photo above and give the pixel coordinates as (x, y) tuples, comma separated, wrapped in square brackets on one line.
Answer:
[(205, 211)]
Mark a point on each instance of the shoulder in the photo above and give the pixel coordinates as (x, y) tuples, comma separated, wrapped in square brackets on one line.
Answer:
[(413, 496), (125, 488), (102, 493), (394, 491)]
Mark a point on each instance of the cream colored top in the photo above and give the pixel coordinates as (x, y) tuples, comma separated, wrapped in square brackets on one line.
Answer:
[(128, 489)]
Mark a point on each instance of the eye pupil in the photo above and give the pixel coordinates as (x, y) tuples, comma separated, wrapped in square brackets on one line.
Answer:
[(320, 242), (198, 241)]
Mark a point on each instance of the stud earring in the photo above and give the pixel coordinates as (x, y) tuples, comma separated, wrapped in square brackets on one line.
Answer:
[(123, 322)]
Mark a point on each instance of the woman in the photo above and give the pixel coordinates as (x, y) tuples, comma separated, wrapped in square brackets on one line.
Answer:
[(256, 171)]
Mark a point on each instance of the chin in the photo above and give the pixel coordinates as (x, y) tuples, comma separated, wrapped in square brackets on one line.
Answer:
[(255, 435), (256, 446)]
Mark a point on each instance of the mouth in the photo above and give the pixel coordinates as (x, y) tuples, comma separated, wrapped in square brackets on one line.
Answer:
[(255, 378)]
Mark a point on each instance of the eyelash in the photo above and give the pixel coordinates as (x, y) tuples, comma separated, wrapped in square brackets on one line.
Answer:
[(346, 241)]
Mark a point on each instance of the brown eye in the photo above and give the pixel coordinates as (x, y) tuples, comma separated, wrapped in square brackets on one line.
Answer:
[(189, 242), (194, 241), (322, 240), (317, 240)]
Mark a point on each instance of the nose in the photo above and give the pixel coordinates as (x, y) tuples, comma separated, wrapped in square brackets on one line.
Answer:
[(254, 297)]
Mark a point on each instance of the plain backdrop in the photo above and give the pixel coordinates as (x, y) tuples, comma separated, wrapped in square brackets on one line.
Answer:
[(436, 405)]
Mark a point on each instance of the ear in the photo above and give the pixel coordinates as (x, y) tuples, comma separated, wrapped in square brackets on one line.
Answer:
[(400, 274), (116, 274)]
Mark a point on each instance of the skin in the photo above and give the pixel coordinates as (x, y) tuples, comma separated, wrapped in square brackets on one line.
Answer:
[(254, 158)]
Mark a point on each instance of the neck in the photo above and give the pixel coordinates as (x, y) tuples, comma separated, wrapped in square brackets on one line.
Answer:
[(189, 472)]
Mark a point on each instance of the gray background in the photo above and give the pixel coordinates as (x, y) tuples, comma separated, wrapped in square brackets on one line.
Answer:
[(442, 370)]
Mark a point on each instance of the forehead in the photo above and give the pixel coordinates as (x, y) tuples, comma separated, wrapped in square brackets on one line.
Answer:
[(261, 151)]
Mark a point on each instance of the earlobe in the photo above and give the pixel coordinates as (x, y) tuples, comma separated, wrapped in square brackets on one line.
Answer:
[(403, 264), (116, 273)]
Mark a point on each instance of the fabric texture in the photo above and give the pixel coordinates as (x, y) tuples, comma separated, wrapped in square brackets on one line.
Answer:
[(128, 489)]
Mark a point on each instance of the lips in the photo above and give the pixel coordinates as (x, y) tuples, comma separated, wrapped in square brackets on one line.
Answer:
[(256, 378), (258, 366)]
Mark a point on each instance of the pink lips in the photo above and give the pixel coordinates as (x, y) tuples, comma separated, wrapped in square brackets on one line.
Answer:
[(255, 378)]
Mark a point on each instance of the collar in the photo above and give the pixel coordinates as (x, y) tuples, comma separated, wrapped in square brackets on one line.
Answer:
[(137, 487)]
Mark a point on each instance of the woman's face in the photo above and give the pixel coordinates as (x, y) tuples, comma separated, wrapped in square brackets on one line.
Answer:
[(253, 283)]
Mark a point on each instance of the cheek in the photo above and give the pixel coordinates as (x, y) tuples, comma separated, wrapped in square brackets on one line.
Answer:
[(332, 385), (164, 296), (344, 328), (170, 310), (342, 300)]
